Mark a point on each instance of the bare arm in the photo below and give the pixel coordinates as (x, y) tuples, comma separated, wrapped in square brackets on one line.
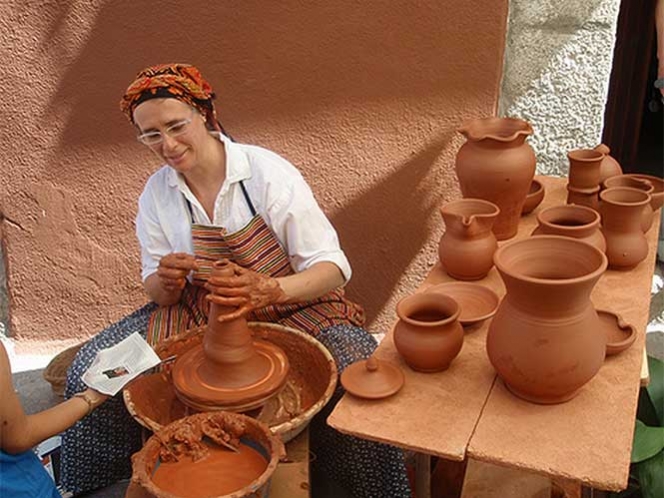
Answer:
[(313, 282), (246, 290), (20, 432)]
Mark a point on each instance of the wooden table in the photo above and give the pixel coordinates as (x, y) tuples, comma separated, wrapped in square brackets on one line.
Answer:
[(466, 411)]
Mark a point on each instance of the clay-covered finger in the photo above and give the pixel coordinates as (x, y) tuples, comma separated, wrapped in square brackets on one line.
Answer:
[(228, 291), (227, 301)]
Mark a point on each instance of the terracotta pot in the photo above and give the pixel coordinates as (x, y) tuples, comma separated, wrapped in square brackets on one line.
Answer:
[(428, 335), (545, 340), (578, 222), (534, 198), (628, 181), (584, 168), (622, 208), (496, 164), (467, 246), (609, 167), (159, 476), (583, 197), (657, 196)]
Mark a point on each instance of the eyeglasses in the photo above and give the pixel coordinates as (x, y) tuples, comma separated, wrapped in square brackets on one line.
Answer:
[(156, 137)]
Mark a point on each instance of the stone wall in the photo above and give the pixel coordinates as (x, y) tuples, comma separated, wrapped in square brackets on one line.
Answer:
[(556, 73)]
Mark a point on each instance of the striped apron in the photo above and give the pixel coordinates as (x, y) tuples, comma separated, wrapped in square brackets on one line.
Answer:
[(256, 248)]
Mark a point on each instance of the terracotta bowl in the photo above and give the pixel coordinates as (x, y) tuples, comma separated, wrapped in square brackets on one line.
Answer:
[(657, 196), (534, 197), (477, 302), (248, 431), (312, 378), (619, 334)]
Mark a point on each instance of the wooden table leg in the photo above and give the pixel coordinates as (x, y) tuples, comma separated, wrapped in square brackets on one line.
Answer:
[(422, 475)]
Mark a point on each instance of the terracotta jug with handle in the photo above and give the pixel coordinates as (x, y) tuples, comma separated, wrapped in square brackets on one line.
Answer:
[(467, 246)]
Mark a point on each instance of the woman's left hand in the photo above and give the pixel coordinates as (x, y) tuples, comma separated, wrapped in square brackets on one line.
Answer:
[(245, 290)]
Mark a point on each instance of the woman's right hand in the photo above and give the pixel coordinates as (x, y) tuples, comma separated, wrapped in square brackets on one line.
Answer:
[(173, 270)]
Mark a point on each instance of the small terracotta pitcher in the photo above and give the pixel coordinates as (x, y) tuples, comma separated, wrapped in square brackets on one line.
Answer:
[(639, 184), (428, 335), (578, 222), (498, 165), (467, 246), (622, 209)]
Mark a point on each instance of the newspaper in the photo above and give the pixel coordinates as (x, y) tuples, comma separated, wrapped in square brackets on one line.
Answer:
[(114, 367)]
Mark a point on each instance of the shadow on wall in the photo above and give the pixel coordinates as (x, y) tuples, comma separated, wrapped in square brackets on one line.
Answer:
[(276, 61), (375, 225)]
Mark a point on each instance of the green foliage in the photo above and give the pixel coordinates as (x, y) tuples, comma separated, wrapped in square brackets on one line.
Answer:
[(648, 444)]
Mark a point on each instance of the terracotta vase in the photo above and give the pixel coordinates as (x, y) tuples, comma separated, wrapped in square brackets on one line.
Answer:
[(496, 164), (628, 181), (584, 168), (428, 335), (467, 246), (545, 340), (609, 167), (578, 222), (622, 209)]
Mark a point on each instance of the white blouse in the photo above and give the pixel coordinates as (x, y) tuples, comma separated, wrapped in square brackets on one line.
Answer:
[(277, 191)]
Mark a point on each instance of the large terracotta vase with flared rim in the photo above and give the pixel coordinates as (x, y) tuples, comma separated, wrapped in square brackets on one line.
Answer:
[(545, 340), (428, 335), (498, 165), (467, 246), (622, 210), (657, 196), (609, 166), (584, 168), (577, 222), (631, 182)]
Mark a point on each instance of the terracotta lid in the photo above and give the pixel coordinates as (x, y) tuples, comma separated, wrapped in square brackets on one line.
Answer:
[(619, 334), (372, 379)]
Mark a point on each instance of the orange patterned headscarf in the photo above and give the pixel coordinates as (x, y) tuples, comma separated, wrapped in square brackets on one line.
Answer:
[(178, 81)]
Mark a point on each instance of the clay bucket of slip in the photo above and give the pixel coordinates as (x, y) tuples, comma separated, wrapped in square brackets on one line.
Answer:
[(211, 455), (312, 377)]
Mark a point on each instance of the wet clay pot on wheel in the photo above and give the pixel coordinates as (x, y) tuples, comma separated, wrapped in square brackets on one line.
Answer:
[(496, 164), (622, 209), (639, 184), (467, 246), (545, 340), (428, 335), (609, 166), (578, 222)]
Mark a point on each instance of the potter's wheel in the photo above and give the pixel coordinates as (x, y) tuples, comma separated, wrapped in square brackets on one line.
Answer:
[(200, 387), (310, 382)]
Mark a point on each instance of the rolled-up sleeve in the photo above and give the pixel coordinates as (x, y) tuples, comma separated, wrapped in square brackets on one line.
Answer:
[(301, 226)]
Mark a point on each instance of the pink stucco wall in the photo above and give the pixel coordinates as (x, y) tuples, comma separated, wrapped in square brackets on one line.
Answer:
[(364, 97)]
